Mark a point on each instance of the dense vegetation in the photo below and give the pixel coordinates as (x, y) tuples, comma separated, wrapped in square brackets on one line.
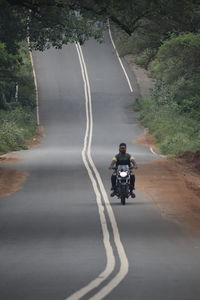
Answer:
[(162, 34), (173, 113), (17, 99), (56, 22)]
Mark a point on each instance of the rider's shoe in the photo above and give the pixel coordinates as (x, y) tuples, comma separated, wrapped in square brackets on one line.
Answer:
[(132, 194), (113, 194)]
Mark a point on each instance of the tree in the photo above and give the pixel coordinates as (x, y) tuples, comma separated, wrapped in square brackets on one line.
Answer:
[(9, 67), (57, 22), (12, 25), (177, 69)]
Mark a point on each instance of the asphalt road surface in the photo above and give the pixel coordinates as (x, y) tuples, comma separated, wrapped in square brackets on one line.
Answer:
[(61, 236)]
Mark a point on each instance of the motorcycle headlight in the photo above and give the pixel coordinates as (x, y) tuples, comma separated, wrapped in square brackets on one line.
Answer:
[(123, 174)]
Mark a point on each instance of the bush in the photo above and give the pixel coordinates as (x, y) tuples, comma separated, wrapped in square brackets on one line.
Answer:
[(12, 136), (175, 133), (26, 95), (177, 70), (178, 57), (16, 127), (17, 121), (145, 57)]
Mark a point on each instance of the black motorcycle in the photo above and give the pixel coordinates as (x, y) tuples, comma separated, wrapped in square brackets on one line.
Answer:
[(123, 183)]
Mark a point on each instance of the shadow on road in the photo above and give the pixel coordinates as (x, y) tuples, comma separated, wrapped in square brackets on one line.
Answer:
[(130, 203)]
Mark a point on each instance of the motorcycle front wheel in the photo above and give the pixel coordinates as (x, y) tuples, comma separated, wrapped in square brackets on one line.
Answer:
[(123, 200), (123, 195)]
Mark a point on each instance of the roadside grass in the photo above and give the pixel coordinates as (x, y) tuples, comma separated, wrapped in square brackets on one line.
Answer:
[(17, 121), (175, 133), (17, 126)]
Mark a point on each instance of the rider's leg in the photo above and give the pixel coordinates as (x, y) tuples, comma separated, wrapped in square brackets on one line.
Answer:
[(113, 181), (132, 185), (132, 182)]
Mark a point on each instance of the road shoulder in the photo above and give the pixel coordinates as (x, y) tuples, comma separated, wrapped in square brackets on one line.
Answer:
[(172, 183)]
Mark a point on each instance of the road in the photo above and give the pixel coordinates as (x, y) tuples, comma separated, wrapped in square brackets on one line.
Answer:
[(61, 236)]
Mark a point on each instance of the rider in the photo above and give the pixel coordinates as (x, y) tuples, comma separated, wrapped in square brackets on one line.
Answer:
[(123, 158)]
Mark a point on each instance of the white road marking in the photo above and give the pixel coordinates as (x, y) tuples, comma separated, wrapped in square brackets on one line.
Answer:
[(86, 154), (126, 75), (110, 264), (152, 151), (36, 85), (122, 255), (120, 61)]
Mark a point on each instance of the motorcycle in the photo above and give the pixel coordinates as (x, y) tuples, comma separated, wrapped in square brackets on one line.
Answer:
[(123, 183)]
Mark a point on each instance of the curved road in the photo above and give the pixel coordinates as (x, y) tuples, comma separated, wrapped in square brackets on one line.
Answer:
[(60, 237)]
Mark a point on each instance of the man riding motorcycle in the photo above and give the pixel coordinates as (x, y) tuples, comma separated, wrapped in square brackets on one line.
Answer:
[(123, 158)]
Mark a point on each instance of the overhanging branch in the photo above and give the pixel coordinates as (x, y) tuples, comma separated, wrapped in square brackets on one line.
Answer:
[(103, 12)]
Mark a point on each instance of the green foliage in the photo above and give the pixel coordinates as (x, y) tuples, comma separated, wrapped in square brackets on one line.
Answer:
[(16, 70), (173, 114), (143, 44), (16, 126), (56, 22), (17, 121), (175, 133), (177, 69), (26, 95), (145, 57), (161, 21), (13, 25), (49, 23), (60, 25), (9, 66), (178, 57), (163, 33), (9, 63)]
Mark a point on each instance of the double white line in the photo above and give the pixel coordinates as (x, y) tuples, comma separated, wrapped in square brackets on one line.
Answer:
[(102, 203)]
